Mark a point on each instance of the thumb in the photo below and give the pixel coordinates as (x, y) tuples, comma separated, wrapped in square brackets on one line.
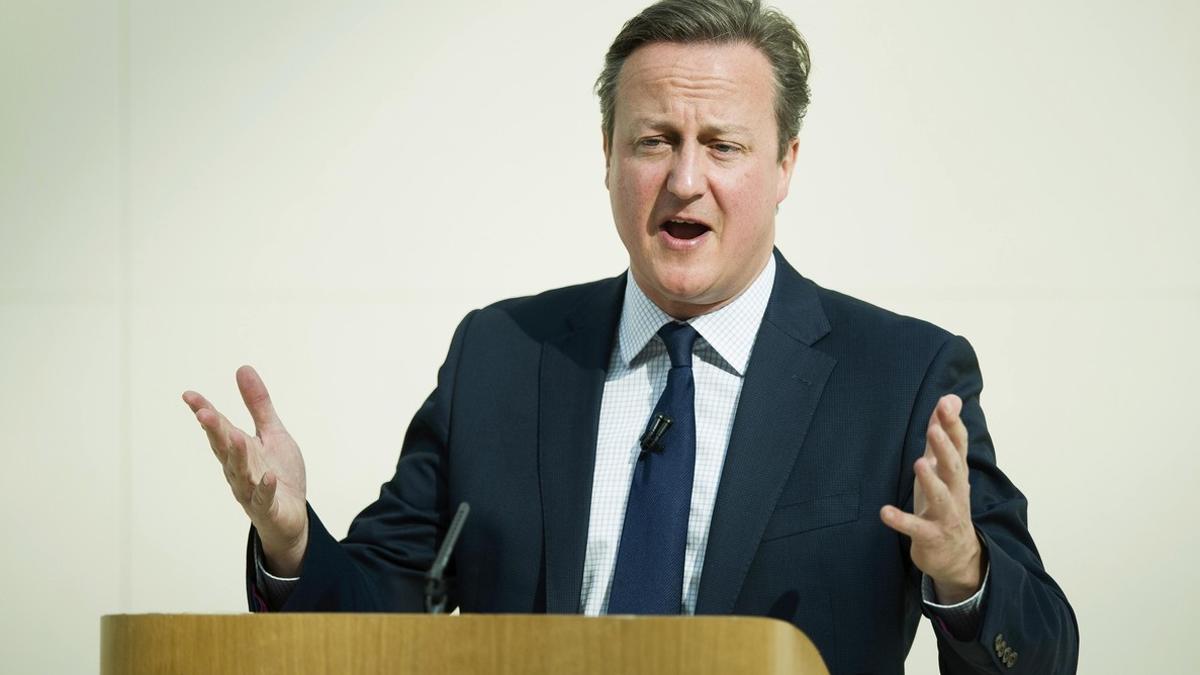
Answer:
[(257, 400)]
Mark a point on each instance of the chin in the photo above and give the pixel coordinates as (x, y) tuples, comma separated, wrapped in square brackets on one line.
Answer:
[(687, 287)]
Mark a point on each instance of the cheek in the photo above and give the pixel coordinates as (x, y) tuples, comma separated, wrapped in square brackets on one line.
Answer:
[(635, 191), (746, 201), (738, 194), (741, 198)]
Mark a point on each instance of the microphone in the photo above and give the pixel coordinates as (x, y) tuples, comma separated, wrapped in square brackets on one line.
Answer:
[(435, 582), (652, 439)]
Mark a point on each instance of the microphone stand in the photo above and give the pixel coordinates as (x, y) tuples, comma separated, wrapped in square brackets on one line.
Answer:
[(435, 582)]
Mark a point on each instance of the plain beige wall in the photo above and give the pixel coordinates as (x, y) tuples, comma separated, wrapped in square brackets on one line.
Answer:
[(323, 190)]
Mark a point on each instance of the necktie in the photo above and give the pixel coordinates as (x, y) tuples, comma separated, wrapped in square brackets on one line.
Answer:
[(648, 578)]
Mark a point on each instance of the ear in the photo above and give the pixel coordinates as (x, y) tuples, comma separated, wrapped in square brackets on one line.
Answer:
[(786, 166), (607, 154)]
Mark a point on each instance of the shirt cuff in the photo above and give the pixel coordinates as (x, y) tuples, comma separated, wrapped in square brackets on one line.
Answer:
[(961, 619), (275, 590)]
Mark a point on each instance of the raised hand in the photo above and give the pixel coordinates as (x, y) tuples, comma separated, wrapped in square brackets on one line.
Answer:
[(265, 471), (944, 543)]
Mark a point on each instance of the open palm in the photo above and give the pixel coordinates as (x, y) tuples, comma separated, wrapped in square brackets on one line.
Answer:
[(265, 470)]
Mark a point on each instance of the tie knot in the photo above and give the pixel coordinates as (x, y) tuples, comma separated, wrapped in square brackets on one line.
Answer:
[(679, 338)]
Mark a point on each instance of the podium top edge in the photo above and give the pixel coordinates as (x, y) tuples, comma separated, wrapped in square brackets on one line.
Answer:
[(465, 616)]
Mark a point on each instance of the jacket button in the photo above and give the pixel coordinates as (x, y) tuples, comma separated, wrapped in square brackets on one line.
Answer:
[(999, 642)]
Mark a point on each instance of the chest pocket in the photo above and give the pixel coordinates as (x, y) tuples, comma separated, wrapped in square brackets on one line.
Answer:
[(812, 514)]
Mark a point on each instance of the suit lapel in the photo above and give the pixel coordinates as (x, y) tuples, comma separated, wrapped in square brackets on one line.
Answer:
[(571, 383), (784, 381)]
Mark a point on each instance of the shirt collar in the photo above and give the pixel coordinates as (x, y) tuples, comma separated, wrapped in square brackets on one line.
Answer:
[(730, 330)]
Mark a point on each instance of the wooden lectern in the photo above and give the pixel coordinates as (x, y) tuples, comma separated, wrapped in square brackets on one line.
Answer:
[(516, 644)]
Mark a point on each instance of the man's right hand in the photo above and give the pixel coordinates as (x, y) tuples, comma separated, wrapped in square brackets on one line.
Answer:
[(265, 472)]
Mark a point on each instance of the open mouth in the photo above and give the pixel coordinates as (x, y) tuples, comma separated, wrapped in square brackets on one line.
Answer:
[(684, 228)]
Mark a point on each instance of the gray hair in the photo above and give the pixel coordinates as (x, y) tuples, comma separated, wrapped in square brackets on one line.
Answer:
[(718, 21)]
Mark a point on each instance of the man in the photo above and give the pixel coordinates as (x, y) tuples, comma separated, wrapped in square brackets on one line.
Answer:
[(782, 417)]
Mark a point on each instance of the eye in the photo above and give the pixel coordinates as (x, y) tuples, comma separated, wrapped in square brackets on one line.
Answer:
[(725, 148), (651, 142)]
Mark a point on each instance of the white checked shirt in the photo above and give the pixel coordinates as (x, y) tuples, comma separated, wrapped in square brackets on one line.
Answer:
[(637, 375)]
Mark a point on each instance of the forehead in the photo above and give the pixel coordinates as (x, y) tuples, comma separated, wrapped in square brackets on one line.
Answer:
[(728, 80)]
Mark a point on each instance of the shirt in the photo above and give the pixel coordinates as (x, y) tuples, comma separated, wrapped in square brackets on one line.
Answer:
[(637, 375)]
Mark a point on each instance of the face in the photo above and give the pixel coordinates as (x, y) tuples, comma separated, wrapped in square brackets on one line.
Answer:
[(693, 171)]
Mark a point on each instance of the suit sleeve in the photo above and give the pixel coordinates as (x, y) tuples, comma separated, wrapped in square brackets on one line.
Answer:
[(381, 564), (1027, 625)]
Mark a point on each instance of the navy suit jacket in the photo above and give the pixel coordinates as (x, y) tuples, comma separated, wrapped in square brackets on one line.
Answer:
[(832, 416)]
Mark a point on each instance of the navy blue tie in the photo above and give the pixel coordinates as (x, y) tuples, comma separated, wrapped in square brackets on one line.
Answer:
[(648, 578)]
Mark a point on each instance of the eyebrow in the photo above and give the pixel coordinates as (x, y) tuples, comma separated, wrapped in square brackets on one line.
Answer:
[(659, 124)]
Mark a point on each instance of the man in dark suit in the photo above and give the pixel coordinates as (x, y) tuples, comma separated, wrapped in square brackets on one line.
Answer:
[(708, 433)]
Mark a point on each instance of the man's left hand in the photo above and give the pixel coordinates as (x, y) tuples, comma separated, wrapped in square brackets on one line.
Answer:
[(944, 544)]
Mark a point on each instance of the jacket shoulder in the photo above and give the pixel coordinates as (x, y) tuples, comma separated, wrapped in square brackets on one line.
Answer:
[(857, 322), (554, 311)]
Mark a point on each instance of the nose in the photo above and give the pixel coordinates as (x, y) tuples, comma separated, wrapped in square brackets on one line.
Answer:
[(687, 179)]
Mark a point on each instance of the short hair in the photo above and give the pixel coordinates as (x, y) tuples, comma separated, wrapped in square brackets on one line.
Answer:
[(720, 22)]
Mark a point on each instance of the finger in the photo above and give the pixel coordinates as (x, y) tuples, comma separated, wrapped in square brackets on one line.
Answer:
[(220, 430), (949, 462), (949, 412), (214, 425), (235, 471), (914, 527), (195, 401), (241, 465), (934, 422), (264, 494), (258, 401), (937, 493)]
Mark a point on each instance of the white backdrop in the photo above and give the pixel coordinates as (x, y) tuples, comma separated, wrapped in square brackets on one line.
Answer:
[(322, 189)]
